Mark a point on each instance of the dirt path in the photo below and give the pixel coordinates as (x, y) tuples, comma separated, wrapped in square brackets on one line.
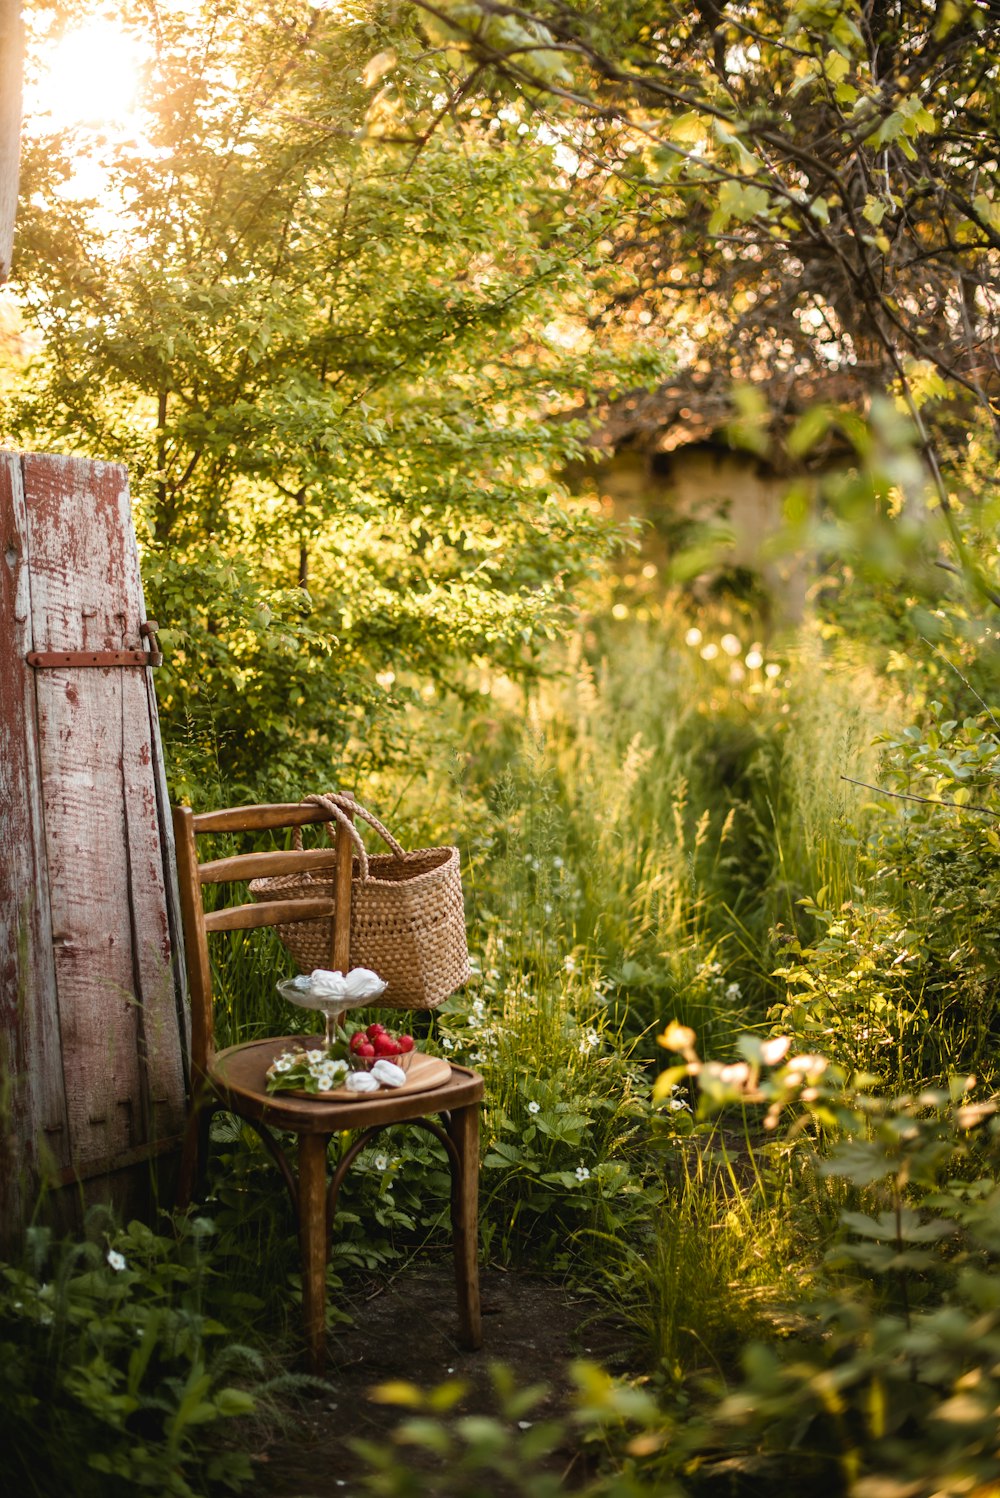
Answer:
[(408, 1331)]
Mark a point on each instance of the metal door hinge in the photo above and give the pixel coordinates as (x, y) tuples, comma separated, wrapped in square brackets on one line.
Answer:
[(54, 659)]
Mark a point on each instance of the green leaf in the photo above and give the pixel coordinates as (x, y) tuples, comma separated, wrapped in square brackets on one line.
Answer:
[(739, 201)]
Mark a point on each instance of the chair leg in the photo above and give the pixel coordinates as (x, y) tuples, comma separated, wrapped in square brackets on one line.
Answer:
[(463, 1126), (312, 1243), (194, 1150)]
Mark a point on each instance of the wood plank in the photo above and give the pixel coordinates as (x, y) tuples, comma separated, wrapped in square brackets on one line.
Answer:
[(268, 913), (121, 1049), (181, 1028), (160, 1048), (239, 1074), (259, 865), (259, 818), (35, 1122), (122, 1161)]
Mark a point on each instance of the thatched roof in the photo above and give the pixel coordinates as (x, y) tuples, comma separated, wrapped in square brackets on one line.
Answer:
[(699, 409)]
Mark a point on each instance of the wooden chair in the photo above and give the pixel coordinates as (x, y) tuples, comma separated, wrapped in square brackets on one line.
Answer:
[(234, 1079)]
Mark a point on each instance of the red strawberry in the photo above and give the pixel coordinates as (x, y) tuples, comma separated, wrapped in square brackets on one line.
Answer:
[(374, 1030), (385, 1046), (358, 1039), (406, 1043), (365, 1049)]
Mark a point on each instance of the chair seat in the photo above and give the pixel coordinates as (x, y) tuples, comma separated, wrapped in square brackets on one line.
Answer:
[(239, 1076)]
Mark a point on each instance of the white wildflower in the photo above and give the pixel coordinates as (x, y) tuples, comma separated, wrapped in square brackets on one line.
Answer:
[(582, 1173), (381, 1162), (534, 1107), (807, 1066), (115, 1259), (775, 1049)]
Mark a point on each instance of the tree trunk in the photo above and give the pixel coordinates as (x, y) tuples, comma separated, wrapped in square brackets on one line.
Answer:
[(11, 68)]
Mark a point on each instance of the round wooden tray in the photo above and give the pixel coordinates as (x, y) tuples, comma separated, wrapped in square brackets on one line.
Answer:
[(424, 1074)]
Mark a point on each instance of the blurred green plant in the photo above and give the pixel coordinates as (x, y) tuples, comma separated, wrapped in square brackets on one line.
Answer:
[(115, 1378), (464, 1456)]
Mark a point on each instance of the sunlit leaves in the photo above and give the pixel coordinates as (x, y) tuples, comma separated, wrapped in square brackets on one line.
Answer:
[(327, 365)]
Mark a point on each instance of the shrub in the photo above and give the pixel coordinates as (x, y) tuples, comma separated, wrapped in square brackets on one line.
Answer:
[(114, 1378)]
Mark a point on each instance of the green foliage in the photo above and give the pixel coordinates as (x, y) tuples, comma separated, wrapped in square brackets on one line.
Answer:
[(889, 1387), (114, 1376), (903, 980), (565, 1107), (505, 1452), (360, 305), (332, 372), (396, 1196), (799, 180), (669, 808)]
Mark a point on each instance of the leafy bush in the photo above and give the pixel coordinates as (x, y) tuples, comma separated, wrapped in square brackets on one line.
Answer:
[(889, 1387), (114, 1378), (904, 979)]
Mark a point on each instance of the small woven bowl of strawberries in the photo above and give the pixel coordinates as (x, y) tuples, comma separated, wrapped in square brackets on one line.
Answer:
[(378, 1044)]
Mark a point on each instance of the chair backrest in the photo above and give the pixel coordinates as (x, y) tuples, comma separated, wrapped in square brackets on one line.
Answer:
[(193, 875)]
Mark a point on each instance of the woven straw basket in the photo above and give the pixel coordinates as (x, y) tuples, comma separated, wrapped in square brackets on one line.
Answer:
[(407, 914)]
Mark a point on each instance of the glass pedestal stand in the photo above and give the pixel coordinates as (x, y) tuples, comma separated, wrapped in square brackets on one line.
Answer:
[(332, 1009)]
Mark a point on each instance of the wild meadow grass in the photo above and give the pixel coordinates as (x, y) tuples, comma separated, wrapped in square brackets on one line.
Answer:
[(660, 831), (639, 831)]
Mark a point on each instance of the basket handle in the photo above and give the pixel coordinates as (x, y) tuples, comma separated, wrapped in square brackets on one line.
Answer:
[(337, 807), (348, 804)]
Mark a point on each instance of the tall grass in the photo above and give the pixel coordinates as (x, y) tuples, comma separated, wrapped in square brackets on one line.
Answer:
[(639, 831), (723, 1257), (664, 815)]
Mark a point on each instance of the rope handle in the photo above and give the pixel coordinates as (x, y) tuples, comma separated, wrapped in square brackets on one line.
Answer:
[(338, 806)]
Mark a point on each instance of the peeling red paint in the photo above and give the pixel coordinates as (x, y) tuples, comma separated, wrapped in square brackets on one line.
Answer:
[(81, 846)]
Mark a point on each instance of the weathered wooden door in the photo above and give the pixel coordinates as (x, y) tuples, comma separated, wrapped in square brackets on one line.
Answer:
[(91, 1004)]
